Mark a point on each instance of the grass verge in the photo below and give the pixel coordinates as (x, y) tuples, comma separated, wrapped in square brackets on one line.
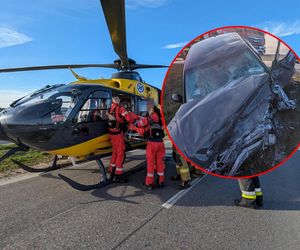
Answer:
[(30, 157)]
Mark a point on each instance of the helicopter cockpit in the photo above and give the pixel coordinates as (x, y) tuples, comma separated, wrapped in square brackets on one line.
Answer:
[(51, 104), (55, 113)]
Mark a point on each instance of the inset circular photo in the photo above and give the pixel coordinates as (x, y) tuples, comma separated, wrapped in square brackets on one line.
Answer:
[(230, 102)]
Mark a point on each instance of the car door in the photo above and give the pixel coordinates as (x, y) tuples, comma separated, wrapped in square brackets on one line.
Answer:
[(283, 69)]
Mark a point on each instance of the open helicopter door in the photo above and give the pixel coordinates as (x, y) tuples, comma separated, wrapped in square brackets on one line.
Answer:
[(133, 136), (89, 122), (91, 118)]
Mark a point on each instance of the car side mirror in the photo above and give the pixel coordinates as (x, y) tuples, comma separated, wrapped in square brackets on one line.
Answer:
[(177, 98)]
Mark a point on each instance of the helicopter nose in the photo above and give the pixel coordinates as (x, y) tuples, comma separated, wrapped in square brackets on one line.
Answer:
[(2, 134)]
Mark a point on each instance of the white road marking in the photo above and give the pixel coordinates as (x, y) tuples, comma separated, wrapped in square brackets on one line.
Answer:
[(169, 203), (20, 177)]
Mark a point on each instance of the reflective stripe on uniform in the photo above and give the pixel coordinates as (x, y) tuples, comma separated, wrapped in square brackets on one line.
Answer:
[(150, 174), (248, 195), (119, 169), (113, 165), (124, 113), (184, 170), (160, 173), (258, 192)]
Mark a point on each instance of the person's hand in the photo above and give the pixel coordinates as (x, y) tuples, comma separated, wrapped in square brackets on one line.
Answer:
[(151, 111), (111, 117)]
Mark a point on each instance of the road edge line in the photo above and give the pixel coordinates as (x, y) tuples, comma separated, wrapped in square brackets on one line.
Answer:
[(169, 203)]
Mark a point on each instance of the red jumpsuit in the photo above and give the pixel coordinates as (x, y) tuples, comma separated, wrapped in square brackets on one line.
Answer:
[(155, 151), (117, 137)]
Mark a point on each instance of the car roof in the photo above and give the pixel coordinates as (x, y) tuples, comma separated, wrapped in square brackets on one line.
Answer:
[(211, 49)]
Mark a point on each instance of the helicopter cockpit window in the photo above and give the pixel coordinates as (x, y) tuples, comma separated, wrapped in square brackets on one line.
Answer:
[(95, 108), (204, 79), (66, 104), (38, 95)]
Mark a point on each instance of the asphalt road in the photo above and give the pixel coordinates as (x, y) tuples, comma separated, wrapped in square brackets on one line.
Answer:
[(43, 212)]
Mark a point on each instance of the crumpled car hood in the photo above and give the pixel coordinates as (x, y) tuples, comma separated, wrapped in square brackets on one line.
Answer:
[(221, 130)]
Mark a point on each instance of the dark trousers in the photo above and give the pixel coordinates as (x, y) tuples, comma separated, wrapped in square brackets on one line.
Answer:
[(250, 188)]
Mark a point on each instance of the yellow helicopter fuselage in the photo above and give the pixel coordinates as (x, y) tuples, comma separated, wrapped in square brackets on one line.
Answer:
[(101, 144)]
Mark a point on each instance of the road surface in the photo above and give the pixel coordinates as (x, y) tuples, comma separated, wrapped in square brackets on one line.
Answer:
[(43, 212)]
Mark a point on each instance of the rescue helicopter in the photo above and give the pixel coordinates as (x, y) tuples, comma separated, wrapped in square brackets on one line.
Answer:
[(71, 119), (232, 96)]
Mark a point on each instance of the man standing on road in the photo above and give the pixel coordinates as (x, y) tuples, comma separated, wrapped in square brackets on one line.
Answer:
[(252, 196), (117, 115), (155, 151)]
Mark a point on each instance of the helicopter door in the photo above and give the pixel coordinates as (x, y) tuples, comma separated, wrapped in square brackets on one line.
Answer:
[(126, 100), (142, 106), (90, 121)]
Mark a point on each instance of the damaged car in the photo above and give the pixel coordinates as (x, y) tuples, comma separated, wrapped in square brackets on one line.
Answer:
[(229, 100)]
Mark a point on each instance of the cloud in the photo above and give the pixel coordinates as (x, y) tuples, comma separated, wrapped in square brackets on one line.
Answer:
[(175, 45), (10, 37), (134, 4), (282, 28), (9, 95)]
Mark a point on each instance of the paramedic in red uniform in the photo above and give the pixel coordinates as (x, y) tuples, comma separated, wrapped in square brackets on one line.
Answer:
[(155, 150), (117, 115)]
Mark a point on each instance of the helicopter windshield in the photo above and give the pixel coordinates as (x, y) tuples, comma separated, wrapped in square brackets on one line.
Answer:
[(204, 79), (37, 95), (52, 104)]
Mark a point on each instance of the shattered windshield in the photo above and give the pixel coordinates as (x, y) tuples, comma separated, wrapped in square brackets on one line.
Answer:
[(204, 79)]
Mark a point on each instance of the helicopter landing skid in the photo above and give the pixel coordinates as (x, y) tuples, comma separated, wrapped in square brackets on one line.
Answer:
[(82, 187), (12, 151), (53, 166), (104, 181)]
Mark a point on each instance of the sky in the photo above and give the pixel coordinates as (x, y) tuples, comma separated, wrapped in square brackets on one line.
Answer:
[(45, 32)]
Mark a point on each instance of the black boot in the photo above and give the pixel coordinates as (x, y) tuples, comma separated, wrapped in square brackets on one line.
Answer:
[(160, 185), (248, 203), (112, 175), (175, 177), (184, 185), (149, 187), (259, 201), (120, 179)]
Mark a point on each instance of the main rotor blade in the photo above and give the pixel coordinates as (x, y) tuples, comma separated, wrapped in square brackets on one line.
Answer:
[(146, 66), (114, 12), (47, 67)]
